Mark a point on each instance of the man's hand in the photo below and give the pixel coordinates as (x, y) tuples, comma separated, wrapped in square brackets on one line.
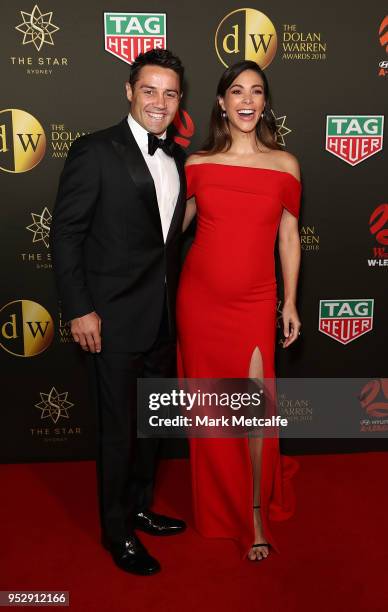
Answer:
[(86, 331)]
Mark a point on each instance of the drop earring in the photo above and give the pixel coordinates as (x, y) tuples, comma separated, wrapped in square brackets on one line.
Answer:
[(223, 114)]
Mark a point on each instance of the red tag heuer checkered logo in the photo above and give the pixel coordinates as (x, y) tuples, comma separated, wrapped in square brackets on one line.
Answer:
[(129, 34), (354, 138), (345, 320)]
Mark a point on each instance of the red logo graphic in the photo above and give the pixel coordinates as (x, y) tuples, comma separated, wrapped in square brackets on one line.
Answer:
[(377, 221), (383, 33), (185, 127), (378, 226), (374, 397), (383, 37)]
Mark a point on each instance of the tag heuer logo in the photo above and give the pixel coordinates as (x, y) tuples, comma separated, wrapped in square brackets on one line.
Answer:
[(345, 320), (129, 34), (354, 138)]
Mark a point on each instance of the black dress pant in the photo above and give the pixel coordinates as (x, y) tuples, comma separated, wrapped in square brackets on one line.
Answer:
[(126, 464)]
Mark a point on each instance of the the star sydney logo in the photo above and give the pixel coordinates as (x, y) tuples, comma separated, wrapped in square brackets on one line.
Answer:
[(37, 28), (54, 405), (281, 129), (41, 226), (129, 34), (354, 138)]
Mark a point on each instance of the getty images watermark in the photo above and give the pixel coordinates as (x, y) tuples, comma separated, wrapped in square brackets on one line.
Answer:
[(206, 402), (206, 408), (285, 407)]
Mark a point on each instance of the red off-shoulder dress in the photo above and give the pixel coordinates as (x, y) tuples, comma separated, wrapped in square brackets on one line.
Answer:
[(226, 307)]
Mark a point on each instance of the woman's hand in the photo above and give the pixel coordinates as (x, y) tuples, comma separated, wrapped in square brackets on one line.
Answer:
[(291, 323)]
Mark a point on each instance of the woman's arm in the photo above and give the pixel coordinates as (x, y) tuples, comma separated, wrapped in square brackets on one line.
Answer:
[(191, 209), (289, 251)]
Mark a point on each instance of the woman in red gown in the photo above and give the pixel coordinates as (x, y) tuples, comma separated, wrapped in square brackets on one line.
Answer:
[(245, 191)]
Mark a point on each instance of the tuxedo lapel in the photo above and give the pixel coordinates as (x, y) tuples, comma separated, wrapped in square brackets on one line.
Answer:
[(127, 148), (181, 201)]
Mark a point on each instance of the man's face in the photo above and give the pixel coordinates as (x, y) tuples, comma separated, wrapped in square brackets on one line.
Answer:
[(154, 98)]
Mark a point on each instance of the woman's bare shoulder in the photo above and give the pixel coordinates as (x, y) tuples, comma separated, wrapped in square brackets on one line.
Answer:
[(194, 159), (201, 157), (287, 162)]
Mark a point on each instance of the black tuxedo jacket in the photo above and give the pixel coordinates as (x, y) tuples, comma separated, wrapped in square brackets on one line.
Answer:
[(107, 242)]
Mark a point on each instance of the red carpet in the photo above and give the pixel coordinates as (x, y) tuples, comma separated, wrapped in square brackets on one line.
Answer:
[(333, 552)]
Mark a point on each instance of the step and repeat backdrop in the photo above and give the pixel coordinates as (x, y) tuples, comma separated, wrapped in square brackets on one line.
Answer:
[(63, 70)]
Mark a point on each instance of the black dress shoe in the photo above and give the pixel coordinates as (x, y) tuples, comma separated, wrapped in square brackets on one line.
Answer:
[(131, 556), (157, 524)]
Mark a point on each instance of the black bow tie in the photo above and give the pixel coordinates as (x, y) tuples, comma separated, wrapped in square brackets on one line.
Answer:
[(155, 143)]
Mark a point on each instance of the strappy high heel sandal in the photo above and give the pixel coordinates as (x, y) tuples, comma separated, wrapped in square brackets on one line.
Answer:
[(257, 544)]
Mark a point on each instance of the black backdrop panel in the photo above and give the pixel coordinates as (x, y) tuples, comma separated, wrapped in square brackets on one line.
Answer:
[(327, 66)]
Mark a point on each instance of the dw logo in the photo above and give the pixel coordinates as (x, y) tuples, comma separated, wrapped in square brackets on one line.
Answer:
[(246, 34), (26, 328), (22, 141)]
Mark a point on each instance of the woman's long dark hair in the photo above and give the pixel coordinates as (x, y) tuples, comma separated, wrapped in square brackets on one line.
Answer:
[(220, 139)]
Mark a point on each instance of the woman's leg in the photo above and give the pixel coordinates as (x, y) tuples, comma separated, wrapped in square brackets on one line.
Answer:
[(255, 449)]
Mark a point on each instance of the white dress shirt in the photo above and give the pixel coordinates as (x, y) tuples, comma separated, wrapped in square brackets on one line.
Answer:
[(164, 173)]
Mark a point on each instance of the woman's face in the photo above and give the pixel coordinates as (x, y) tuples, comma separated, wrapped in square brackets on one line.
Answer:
[(244, 101)]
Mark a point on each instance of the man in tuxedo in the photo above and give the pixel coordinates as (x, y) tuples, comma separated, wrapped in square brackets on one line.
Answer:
[(116, 237)]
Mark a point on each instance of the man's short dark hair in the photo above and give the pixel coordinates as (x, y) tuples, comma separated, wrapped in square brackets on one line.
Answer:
[(156, 57)]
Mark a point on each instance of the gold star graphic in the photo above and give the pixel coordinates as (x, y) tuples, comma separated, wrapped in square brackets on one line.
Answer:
[(41, 226), (54, 405), (281, 129), (279, 320), (37, 28), (279, 314)]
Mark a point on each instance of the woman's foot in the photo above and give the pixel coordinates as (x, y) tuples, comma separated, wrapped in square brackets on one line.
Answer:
[(257, 553)]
